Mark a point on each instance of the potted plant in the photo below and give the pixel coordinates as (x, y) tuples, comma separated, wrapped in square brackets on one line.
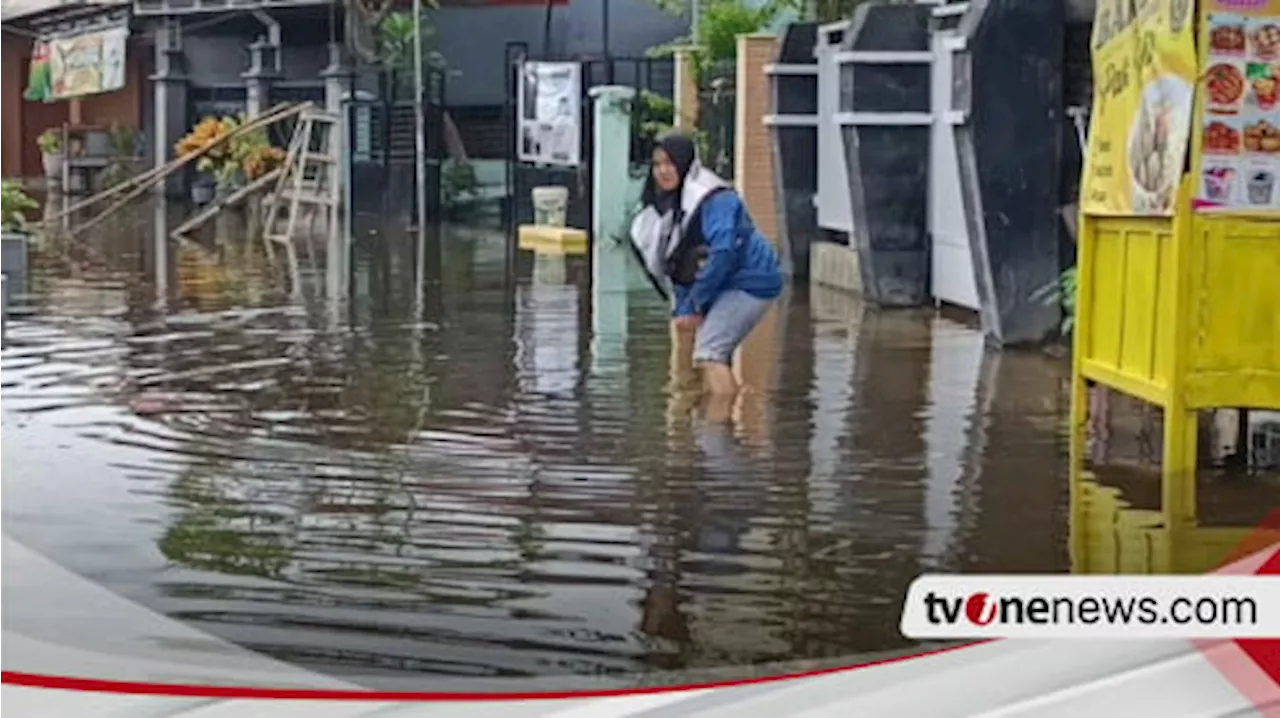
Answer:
[(242, 159), (14, 203), (460, 187), (50, 144)]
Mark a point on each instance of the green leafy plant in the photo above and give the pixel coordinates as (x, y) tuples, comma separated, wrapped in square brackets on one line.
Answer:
[(652, 115), (14, 203), (824, 10), (124, 143), (395, 40), (1061, 292), (807, 10), (50, 141), (720, 22), (459, 183)]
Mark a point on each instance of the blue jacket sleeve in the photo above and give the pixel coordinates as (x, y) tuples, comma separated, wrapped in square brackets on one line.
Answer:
[(720, 217), (683, 305)]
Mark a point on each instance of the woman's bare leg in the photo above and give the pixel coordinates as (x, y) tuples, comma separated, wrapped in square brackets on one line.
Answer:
[(683, 374), (719, 379), (718, 408)]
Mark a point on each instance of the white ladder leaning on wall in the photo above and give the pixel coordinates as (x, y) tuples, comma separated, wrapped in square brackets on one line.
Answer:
[(308, 185)]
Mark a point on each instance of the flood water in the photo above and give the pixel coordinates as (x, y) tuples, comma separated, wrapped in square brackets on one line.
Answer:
[(485, 489)]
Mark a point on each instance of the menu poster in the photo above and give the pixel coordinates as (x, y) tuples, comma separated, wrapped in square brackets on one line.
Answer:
[(1145, 66), (1240, 122)]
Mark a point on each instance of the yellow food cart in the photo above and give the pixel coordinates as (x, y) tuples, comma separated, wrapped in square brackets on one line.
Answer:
[(1178, 270)]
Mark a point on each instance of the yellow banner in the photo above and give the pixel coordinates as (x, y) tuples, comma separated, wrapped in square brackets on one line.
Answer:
[(1144, 74), (1237, 133)]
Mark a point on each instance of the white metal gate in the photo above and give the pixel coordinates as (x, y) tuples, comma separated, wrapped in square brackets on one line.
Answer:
[(835, 211), (952, 275)]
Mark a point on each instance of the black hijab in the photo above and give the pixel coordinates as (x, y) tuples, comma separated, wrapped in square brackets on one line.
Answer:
[(681, 150)]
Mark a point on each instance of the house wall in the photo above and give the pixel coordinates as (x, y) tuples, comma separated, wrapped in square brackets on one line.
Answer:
[(22, 121), (473, 40), (124, 106), (12, 76)]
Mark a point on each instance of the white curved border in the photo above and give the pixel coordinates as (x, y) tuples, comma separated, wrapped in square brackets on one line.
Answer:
[(1001, 678)]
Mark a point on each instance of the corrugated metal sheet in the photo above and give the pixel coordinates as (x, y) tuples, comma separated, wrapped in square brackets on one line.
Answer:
[(16, 9)]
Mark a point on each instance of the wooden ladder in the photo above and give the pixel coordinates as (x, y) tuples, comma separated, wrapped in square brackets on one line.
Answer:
[(308, 185)]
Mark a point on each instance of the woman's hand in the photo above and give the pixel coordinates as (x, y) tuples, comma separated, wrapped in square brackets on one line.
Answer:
[(688, 322)]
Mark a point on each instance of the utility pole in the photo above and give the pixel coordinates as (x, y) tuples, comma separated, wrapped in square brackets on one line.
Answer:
[(420, 151)]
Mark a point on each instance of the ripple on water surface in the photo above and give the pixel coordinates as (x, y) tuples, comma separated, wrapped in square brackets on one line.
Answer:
[(491, 492)]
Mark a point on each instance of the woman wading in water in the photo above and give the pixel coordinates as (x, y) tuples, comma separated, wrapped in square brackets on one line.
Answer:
[(702, 251)]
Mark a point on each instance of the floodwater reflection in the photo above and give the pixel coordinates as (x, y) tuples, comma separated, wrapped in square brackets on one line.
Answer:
[(485, 491)]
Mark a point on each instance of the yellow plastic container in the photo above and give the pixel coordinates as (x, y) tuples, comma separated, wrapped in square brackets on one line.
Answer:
[(545, 239)]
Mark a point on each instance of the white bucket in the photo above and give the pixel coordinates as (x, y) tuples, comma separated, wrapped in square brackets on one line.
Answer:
[(550, 206)]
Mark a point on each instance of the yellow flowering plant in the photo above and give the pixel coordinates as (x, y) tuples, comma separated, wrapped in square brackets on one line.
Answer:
[(245, 157)]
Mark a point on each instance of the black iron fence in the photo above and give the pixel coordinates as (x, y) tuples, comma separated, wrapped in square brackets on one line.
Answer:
[(717, 113), (383, 150), (654, 82)]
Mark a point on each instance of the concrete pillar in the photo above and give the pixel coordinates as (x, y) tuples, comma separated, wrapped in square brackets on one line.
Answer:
[(755, 365), (753, 161), (337, 78), (609, 257), (262, 73), (170, 86), (686, 90), (337, 85)]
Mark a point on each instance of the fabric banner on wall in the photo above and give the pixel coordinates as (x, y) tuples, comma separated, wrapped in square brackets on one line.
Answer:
[(86, 64)]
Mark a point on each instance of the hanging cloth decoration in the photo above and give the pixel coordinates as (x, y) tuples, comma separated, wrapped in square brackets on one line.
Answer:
[(40, 75)]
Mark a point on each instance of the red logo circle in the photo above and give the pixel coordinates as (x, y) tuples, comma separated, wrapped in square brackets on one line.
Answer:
[(980, 609)]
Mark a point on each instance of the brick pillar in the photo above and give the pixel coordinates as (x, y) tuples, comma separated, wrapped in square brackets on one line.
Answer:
[(753, 157), (686, 89)]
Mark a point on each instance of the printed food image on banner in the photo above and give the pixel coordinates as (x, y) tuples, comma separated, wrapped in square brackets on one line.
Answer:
[(1145, 64), (1240, 119)]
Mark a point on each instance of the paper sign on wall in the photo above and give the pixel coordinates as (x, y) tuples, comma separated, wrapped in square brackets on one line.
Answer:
[(549, 127)]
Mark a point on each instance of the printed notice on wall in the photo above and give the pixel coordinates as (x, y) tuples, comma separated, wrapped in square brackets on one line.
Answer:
[(549, 130), (1144, 68), (1240, 122)]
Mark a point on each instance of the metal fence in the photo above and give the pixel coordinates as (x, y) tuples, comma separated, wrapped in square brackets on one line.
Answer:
[(717, 113), (654, 81), (383, 150)]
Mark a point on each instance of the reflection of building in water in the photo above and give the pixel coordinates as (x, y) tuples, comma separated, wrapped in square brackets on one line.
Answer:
[(1017, 498), (67, 297), (547, 336), (709, 559), (386, 553), (1114, 537), (882, 496), (836, 317), (956, 363)]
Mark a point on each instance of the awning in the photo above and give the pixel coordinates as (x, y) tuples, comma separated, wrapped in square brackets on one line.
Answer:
[(11, 10)]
